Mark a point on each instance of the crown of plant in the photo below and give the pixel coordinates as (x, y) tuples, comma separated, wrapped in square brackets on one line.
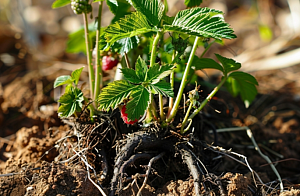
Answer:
[(81, 6)]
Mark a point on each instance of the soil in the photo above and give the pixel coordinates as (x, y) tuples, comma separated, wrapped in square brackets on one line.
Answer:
[(38, 150)]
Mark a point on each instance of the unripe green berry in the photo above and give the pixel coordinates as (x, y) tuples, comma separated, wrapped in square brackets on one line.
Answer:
[(81, 6)]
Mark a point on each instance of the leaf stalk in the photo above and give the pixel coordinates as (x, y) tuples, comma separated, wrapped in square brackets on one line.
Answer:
[(183, 81), (99, 74), (89, 55), (207, 99)]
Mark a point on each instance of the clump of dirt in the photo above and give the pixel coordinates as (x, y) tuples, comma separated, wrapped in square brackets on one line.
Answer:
[(50, 179), (238, 185), (178, 188)]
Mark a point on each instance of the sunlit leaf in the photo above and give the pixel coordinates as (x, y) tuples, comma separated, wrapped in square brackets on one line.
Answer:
[(138, 103), (76, 75), (70, 102), (61, 80), (132, 25), (112, 95), (157, 72), (203, 22), (152, 9), (124, 45), (141, 69), (60, 3), (164, 88)]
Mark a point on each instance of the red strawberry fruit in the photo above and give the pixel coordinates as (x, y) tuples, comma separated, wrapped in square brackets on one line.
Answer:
[(125, 118), (109, 62)]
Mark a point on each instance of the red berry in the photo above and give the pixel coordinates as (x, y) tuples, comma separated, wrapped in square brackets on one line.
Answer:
[(125, 118), (108, 63)]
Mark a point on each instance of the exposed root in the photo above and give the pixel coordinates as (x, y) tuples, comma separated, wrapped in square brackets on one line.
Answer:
[(148, 171), (187, 157), (134, 143)]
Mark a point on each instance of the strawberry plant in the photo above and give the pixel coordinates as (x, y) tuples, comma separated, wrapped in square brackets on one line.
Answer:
[(150, 75)]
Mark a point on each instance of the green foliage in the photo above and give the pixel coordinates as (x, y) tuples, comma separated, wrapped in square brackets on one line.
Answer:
[(162, 87), (244, 84), (237, 83), (124, 45), (119, 8), (201, 22), (76, 41), (112, 5), (138, 86), (69, 80), (70, 102), (61, 80), (138, 103), (60, 3), (132, 25), (192, 3), (206, 63), (152, 9), (229, 65), (158, 72), (114, 94)]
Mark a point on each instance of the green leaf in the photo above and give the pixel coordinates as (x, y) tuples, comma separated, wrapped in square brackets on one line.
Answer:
[(123, 9), (206, 63), (60, 3), (97, 1), (61, 80), (76, 75), (124, 45), (112, 5), (167, 19), (114, 94), (202, 22), (71, 102), (152, 9), (131, 75), (157, 72), (138, 103), (141, 69), (228, 64), (164, 88), (132, 25), (192, 3), (244, 84), (76, 40)]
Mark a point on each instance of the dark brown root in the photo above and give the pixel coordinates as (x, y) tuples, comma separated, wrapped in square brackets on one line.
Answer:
[(137, 142), (188, 159)]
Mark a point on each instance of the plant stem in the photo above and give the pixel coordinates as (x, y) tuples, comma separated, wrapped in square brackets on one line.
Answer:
[(183, 81), (207, 99), (126, 60), (89, 55), (152, 62), (206, 49), (154, 45), (172, 75), (186, 118), (98, 83)]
